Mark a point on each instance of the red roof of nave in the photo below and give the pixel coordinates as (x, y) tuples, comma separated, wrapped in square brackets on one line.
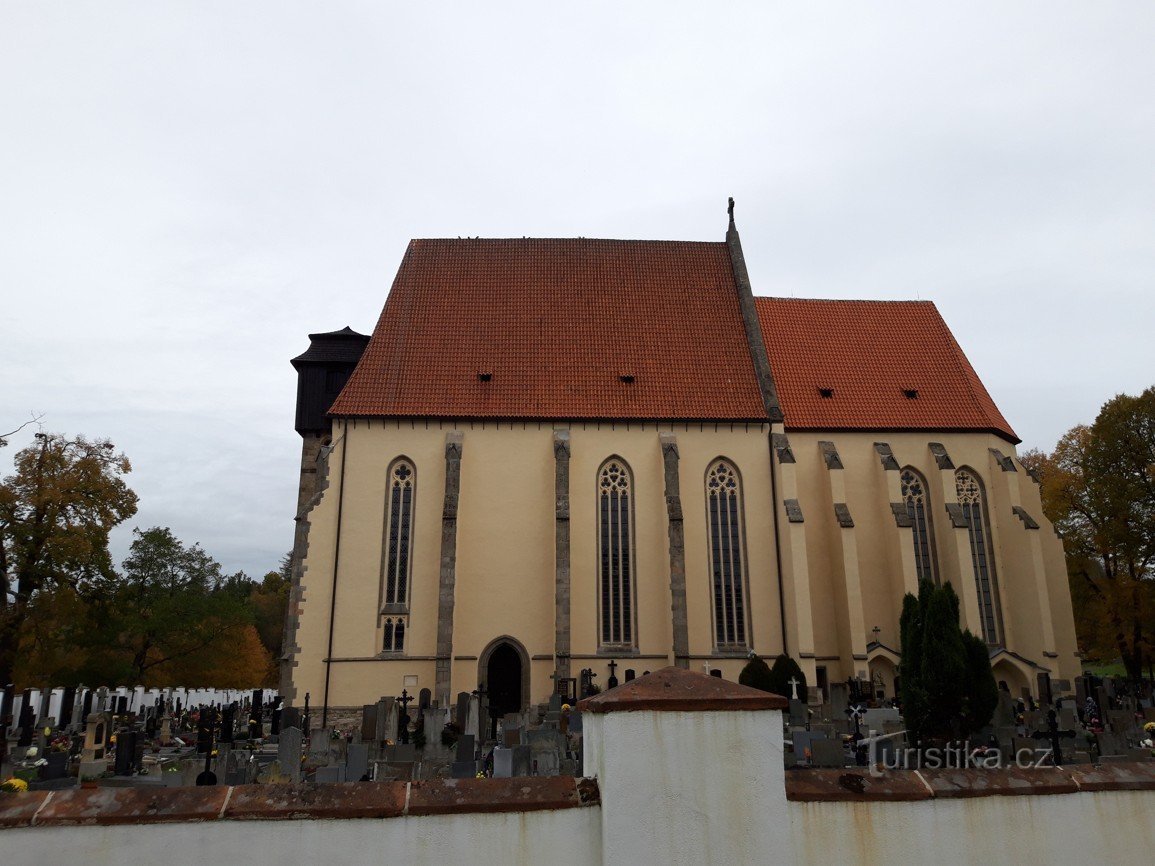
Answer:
[(870, 353), (556, 324)]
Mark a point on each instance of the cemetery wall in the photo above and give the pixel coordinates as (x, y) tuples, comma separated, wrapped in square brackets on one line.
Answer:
[(1104, 827)]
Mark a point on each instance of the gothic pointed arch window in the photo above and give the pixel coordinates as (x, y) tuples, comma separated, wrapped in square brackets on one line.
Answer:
[(616, 554), (727, 554), (972, 501), (397, 558), (915, 495)]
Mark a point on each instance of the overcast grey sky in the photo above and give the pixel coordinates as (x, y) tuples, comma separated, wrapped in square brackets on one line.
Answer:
[(188, 189)]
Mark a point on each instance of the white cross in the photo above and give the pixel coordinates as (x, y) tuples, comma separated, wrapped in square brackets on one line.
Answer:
[(793, 681)]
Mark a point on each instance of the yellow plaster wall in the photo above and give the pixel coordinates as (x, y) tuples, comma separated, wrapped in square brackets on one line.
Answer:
[(505, 550)]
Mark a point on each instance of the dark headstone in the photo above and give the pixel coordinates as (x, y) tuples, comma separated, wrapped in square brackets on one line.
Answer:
[(27, 722), (424, 698), (368, 723), (629, 674), (466, 748), (125, 752), (256, 722), (357, 762), (67, 705), (290, 717)]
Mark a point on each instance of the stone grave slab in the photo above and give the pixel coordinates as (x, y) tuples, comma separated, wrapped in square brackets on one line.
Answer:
[(827, 753), (356, 762)]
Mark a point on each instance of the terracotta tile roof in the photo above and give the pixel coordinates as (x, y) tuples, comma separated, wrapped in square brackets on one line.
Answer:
[(556, 324), (869, 353)]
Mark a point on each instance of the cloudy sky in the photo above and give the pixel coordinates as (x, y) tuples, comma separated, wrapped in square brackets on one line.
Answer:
[(187, 189)]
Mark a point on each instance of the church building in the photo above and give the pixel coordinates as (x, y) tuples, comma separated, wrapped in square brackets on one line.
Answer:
[(554, 455)]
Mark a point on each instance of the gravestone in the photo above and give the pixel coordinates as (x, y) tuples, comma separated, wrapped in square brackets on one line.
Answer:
[(400, 752), (329, 774), (1111, 744), (463, 769), (827, 753), (424, 699), (318, 746), (462, 712), (511, 737), (473, 717), (291, 718), (289, 753), (839, 700), (522, 761), (386, 728), (357, 762), (801, 740), (368, 723), (502, 762), (1005, 710), (575, 722), (466, 748), (798, 714)]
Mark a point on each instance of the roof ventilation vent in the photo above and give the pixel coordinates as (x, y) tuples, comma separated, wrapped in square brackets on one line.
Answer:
[(910, 393), (826, 393), (484, 377), (628, 378)]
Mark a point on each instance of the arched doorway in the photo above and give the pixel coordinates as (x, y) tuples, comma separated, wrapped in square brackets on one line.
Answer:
[(503, 669), (504, 680)]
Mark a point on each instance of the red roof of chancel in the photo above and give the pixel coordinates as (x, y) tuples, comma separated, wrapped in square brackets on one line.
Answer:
[(869, 353), (556, 324)]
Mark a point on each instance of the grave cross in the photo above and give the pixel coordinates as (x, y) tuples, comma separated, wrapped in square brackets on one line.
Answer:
[(1053, 735), (612, 682), (856, 712), (794, 683), (403, 717), (483, 721)]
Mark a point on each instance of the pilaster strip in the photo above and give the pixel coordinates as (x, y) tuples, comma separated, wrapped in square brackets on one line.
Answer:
[(681, 630), (561, 455), (453, 447)]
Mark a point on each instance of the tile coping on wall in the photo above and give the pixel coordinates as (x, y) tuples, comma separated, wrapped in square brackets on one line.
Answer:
[(348, 800), (858, 785), (335, 800)]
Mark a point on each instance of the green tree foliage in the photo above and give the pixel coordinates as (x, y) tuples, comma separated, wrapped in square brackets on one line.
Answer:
[(171, 601), (948, 689), (1098, 489), (982, 692), (56, 511), (784, 670), (756, 675)]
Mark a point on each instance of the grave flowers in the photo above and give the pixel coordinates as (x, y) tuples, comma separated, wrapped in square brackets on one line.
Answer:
[(14, 786)]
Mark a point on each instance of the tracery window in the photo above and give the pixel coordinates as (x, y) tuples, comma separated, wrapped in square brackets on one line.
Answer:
[(914, 494), (615, 553), (398, 537), (727, 546), (972, 500), (394, 635)]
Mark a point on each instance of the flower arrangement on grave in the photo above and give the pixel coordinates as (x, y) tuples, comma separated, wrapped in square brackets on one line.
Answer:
[(60, 743), (32, 752), (14, 786)]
